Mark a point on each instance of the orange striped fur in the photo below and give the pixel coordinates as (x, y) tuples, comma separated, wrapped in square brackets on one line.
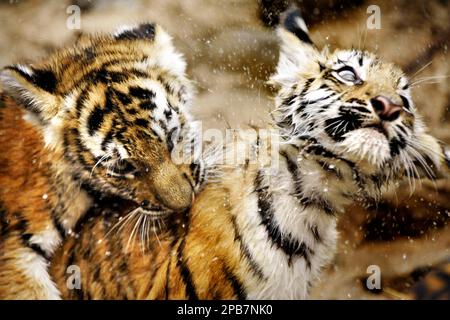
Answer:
[(94, 121), (348, 129)]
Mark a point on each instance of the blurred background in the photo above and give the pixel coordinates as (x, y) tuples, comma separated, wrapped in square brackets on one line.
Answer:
[(231, 50)]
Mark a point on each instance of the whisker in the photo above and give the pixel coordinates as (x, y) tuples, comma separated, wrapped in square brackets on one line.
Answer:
[(428, 80), (133, 231), (143, 233), (156, 234), (122, 221), (420, 70), (104, 157)]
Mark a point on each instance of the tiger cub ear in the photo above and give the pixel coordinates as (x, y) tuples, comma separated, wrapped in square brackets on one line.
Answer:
[(145, 31), (157, 43), (294, 35), (297, 50), (35, 88)]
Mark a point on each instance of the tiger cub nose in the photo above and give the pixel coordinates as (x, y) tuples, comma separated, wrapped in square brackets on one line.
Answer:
[(385, 108)]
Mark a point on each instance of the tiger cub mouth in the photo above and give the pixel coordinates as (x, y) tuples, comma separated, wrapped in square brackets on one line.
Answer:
[(153, 210), (379, 128)]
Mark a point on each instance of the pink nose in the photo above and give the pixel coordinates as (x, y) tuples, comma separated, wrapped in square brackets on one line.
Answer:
[(385, 108)]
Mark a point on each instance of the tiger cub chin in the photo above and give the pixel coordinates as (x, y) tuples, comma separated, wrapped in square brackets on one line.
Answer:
[(98, 119), (348, 129)]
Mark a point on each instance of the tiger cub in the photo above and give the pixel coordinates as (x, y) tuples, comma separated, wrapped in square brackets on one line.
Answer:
[(348, 128), (99, 119)]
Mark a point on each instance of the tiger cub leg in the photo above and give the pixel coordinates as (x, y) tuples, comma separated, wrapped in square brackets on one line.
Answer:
[(24, 271)]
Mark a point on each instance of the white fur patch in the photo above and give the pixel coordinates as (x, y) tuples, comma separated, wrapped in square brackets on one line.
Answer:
[(168, 58), (25, 69), (36, 269), (366, 144), (124, 28), (48, 239), (447, 154)]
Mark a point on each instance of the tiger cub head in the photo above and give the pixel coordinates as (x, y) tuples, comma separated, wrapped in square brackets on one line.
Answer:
[(353, 104), (115, 107)]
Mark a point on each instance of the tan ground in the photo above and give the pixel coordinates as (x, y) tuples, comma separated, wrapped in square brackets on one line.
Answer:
[(231, 54)]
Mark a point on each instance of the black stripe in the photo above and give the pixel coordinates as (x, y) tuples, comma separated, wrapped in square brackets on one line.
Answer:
[(58, 226), (147, 105), (142, 122), (397, 144), (2, 102), (110, 106), (202, 175), (155, 269), (331, 78), (292, 168), (169, 265), (167, 285), (95, 120), (163, 126), (77, 294), (237, 286), (244, 249), (312, 102), (304, 103), (141, 93), (124, 268), (195, 171), (107, 260), (81, 99), (44, 79), (102, 75), (286, 121), (182, 264), (82, 151), (186, 273), (337, 127), (318, 202), (4, 222), (402, 129), (109, 136), (22, 229), (359, 101), (289, 100), (316, 235), (122, 97), (360, 109), (107, 77), (289, 245), (25, 237), (307, 85), (405, 102), (169, 137), (319, 150), (132, 111)]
